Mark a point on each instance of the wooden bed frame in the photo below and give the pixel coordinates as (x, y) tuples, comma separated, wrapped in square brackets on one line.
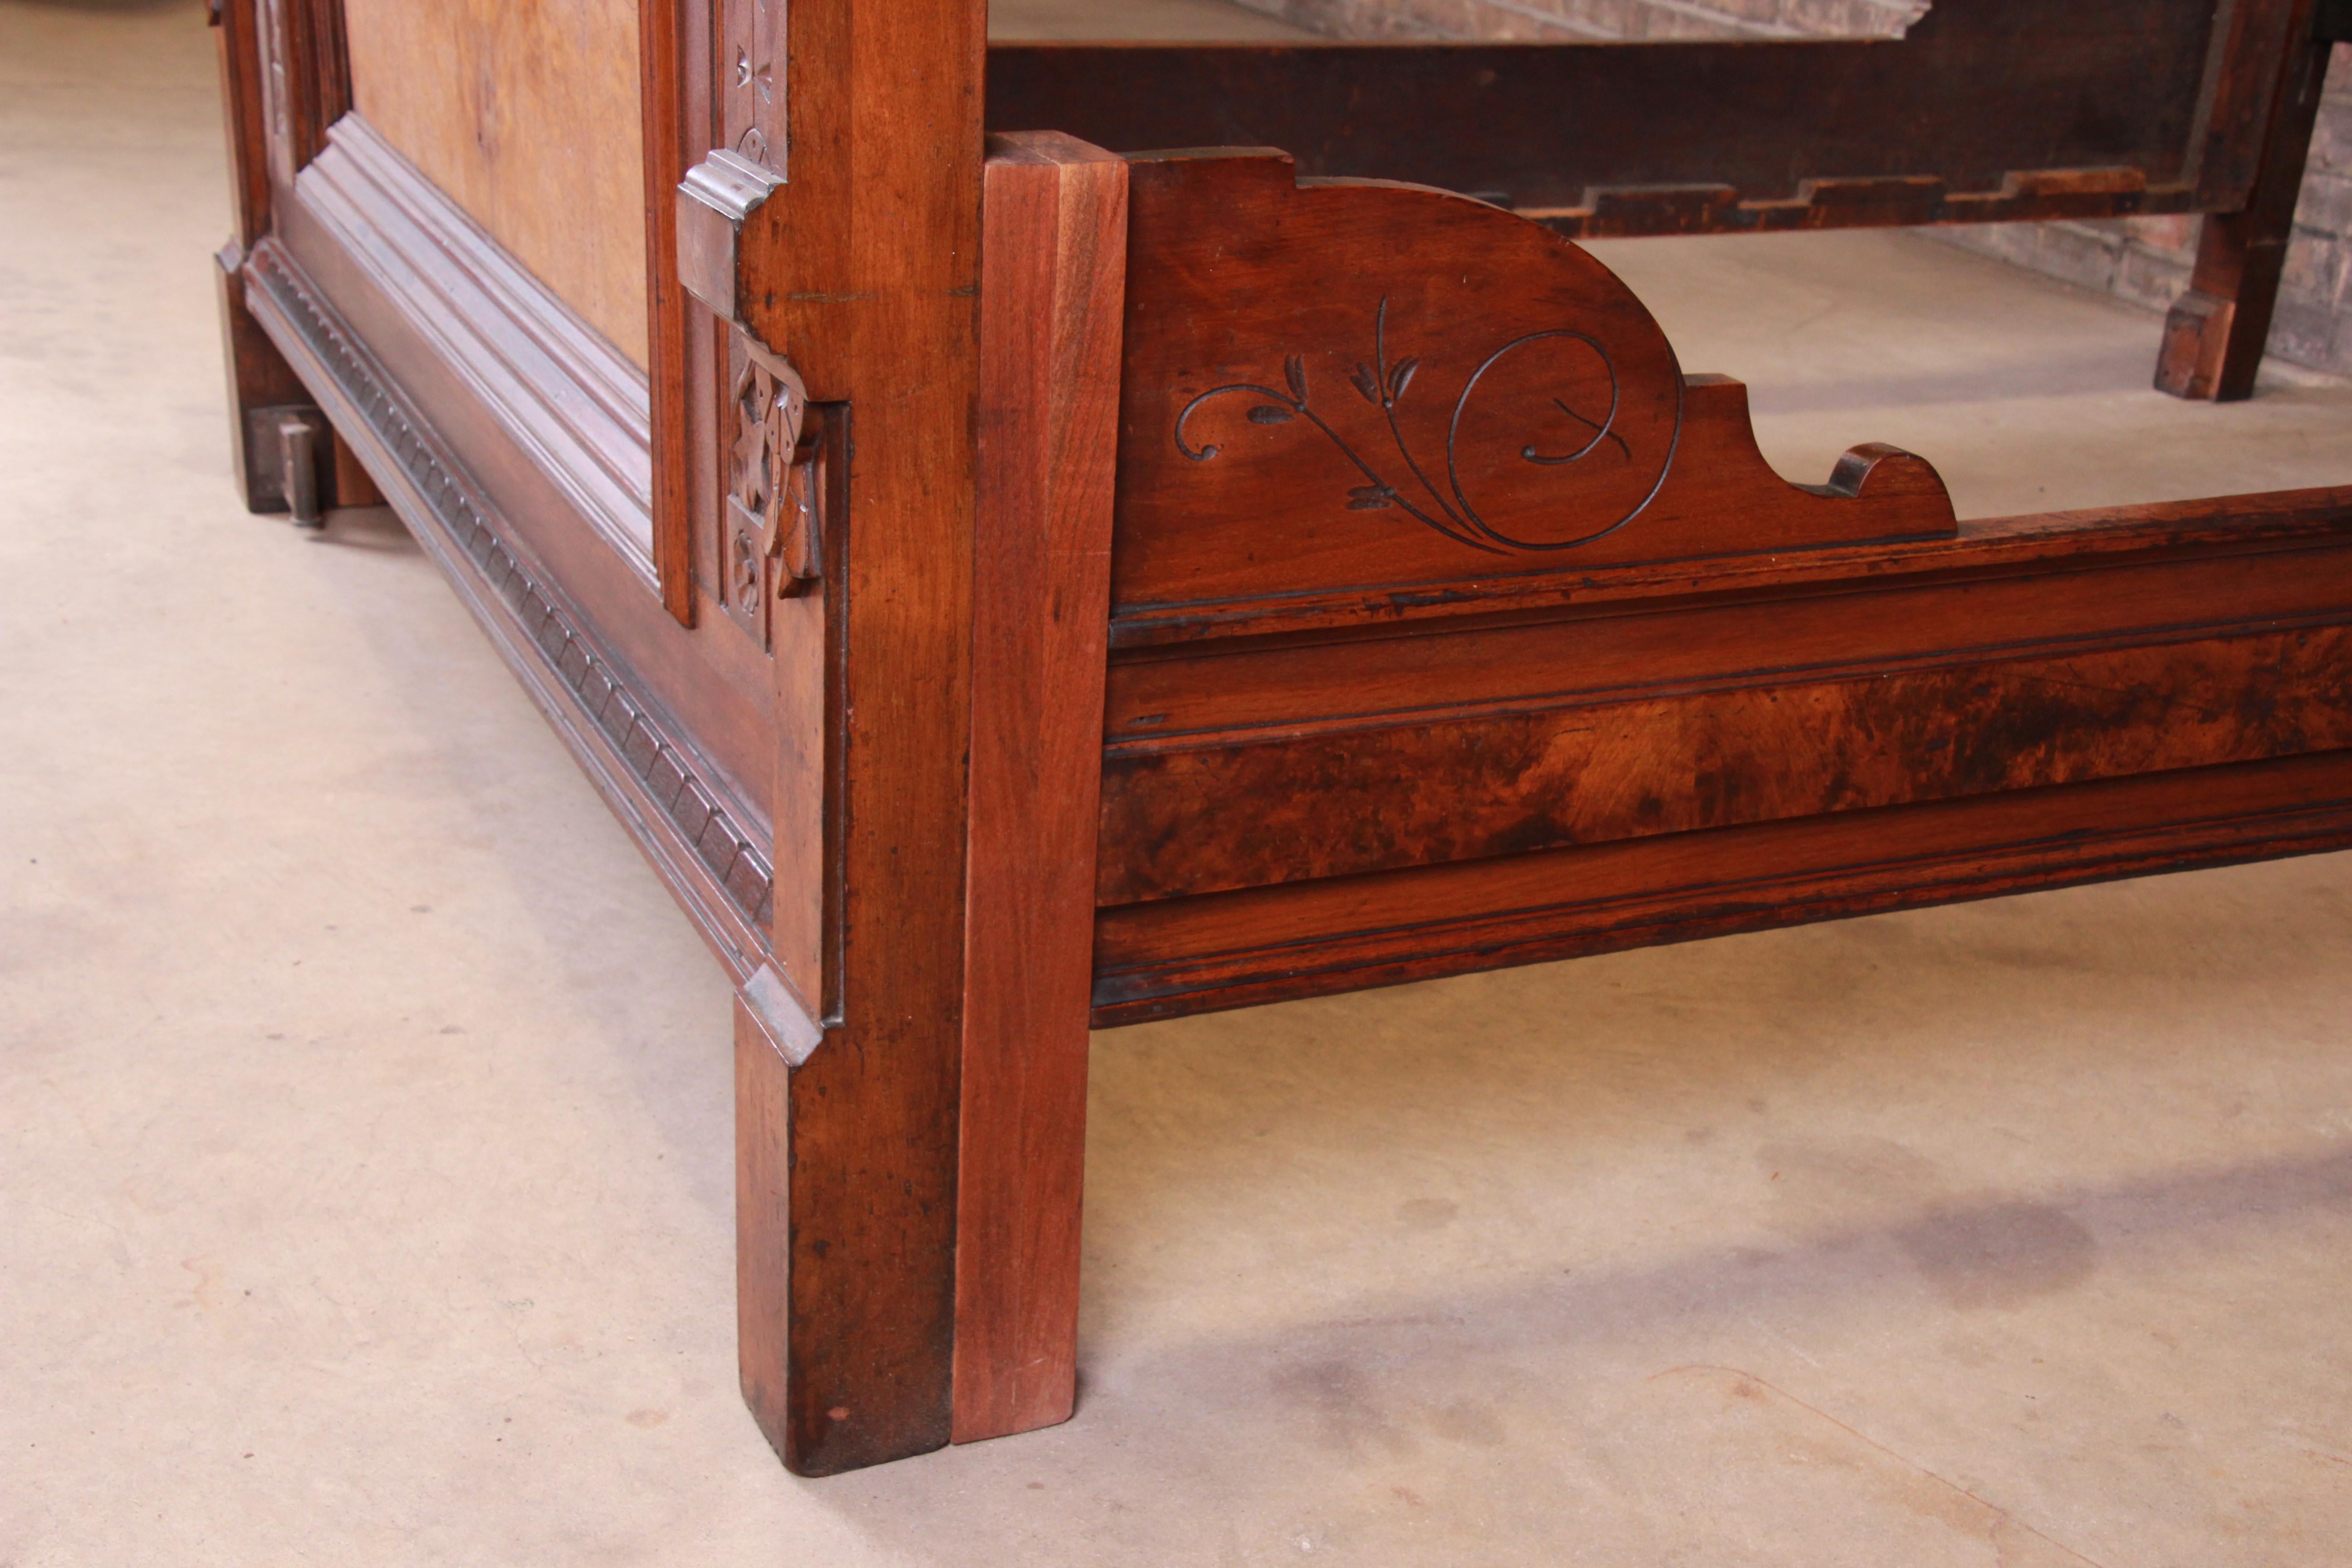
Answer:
[(1023, 586)]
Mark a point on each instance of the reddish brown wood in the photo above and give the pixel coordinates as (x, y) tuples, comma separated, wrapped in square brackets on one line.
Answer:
[(353, 485), (236, 36), (763, 1162), (1313, 706), (1435, 743), (1271, 944), (1232, 693), (1053, 255), (2108, 535), (1343, 801), (1370, 387), (662, 57), (864, 269), (2216, 333)]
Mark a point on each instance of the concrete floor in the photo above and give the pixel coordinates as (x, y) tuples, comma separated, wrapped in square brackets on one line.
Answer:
[(364, 1133)]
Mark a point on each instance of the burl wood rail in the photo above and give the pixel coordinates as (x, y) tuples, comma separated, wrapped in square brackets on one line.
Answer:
[(1008, 585)]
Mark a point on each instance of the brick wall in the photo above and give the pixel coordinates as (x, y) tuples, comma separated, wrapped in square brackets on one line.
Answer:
[(2145, 260)]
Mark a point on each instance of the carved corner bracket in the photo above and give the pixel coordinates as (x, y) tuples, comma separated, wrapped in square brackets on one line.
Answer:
[(775, 491)]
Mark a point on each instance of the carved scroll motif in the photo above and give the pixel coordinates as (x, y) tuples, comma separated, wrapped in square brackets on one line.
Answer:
[(1448, 509), (1516, 413)]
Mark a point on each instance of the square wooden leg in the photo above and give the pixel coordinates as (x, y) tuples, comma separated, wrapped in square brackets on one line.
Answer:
[(1051, 286), (2215, 337)]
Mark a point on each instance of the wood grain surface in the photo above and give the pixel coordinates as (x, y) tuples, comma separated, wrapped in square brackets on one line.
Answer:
[(1360, 385), (1346, 802), (868, 275), (529, 114), (1053, 254), (1271, 944), (565, 392)]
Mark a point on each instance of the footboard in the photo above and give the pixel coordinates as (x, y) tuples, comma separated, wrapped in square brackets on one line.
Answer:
[(1007, 585), (1453, 626)]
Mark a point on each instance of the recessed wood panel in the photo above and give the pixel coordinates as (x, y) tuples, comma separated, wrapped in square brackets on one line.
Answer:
[(528, 113)]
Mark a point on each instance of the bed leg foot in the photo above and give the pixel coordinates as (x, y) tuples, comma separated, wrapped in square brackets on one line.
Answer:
[(844, 1279), (2215, 337)]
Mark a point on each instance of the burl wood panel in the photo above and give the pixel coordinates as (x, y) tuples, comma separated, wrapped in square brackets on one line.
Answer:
[(1347, 384), (1052, 255), (529, 114), (1372, 800)]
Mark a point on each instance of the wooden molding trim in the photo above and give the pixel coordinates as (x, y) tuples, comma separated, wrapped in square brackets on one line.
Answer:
[(662, 48), (575, 403), (1244, 949), (629, 749)]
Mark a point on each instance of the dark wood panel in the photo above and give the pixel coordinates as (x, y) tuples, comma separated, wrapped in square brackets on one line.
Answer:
[(1210, 818), (2105, 106), (1358, 386), (1244, 949), (1053, 254)]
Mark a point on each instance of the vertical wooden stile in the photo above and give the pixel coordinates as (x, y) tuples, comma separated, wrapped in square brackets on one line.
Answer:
[(1052, 288), (866, 274)]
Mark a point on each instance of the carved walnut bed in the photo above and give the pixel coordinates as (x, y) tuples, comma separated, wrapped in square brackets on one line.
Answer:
[(1008, 585)]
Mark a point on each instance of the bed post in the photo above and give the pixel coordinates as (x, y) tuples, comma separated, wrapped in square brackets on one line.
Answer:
[(861, 266), (1053, 279), (2215, 338)]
